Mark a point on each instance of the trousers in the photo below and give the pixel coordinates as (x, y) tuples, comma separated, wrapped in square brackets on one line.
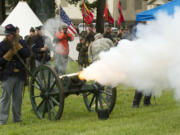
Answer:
[(138, 96), (13, 86)]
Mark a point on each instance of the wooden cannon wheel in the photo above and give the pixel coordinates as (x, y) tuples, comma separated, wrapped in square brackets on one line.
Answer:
[(100, 100), (46, 93)]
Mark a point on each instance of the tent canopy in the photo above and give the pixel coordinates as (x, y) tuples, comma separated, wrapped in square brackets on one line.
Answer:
[(149, 15), (23, 17)]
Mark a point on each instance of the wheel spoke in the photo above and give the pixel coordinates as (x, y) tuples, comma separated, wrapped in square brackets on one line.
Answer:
[(44, 110), (41, 103), (100, 102), (39, 79), (38, 83), (44, 79), (37, 87), (96, 103), (107, 93), (36, 96), (91, 101), (49, 79), (53, 108), (87, 94), (105, 100), (55, 101), (52, 85), (49, 110)]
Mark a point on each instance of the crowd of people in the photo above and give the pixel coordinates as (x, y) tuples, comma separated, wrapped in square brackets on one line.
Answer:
[(34, 50), (88, 37)]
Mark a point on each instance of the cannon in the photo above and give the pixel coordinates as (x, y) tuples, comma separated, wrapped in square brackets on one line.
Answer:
[(48, 91)]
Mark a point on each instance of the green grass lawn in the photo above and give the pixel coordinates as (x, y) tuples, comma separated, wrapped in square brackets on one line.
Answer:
[(162, 118)]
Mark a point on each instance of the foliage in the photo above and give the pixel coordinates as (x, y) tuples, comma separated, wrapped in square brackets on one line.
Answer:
[(162, 118), (44, 9), (91, 5), (13, 3)]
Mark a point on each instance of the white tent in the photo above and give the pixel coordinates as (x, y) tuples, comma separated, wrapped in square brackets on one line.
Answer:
[(23, 17), (1, 33)]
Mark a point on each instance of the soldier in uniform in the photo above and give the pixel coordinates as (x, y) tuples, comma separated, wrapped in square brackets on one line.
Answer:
[(98, 45), (107, 33), (82, 48), (40, 48), (13, 74), (90, 34), (17, 33), (29, 42), (137, 99)]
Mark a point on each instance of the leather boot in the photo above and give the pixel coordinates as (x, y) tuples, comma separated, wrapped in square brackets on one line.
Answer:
[(147, 100), (137, 99)]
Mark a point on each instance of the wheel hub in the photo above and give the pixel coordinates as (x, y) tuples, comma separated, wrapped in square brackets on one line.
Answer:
[(45, 95)]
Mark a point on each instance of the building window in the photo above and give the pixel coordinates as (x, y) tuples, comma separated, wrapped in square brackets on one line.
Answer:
[(123, 4), (138, 4)]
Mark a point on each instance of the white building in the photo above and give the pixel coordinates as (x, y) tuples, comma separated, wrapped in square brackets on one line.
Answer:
[(154, 3)]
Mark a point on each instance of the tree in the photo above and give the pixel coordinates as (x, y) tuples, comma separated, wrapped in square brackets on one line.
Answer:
[(2, 11), (44, 9), (99, 5), (100, 19)]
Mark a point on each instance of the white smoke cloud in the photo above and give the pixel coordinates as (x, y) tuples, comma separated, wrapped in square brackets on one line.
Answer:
[(150, 63), (50, 27)]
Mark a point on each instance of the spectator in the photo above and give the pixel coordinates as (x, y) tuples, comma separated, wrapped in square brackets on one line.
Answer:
[(107, 33), (82, 48), (62, 49)]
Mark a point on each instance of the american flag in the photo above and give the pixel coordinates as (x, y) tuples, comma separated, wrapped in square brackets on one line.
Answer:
[(65, 19)]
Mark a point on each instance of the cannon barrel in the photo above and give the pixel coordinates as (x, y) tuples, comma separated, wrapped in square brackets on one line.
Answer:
[(73, 84), (70, 75)]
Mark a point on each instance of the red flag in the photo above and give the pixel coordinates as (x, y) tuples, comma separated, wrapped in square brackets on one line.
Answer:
[(121, 17), (107, 16), (87, 15)]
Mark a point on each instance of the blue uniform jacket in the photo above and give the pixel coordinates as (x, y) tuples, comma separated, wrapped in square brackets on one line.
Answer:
[(38, 43), (8, 67)]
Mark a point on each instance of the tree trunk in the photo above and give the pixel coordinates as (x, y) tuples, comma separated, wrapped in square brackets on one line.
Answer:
[(2, 11), (100, 19), (44, 9)]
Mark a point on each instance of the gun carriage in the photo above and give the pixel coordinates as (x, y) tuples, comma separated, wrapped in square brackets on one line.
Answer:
[(48, 91)]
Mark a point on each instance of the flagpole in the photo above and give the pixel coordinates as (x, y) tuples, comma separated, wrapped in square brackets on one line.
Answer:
[(114, 15), (107, 11), (83, 18)]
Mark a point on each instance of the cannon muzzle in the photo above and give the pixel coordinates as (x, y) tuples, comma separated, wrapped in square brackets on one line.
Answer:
[(69, 75)]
